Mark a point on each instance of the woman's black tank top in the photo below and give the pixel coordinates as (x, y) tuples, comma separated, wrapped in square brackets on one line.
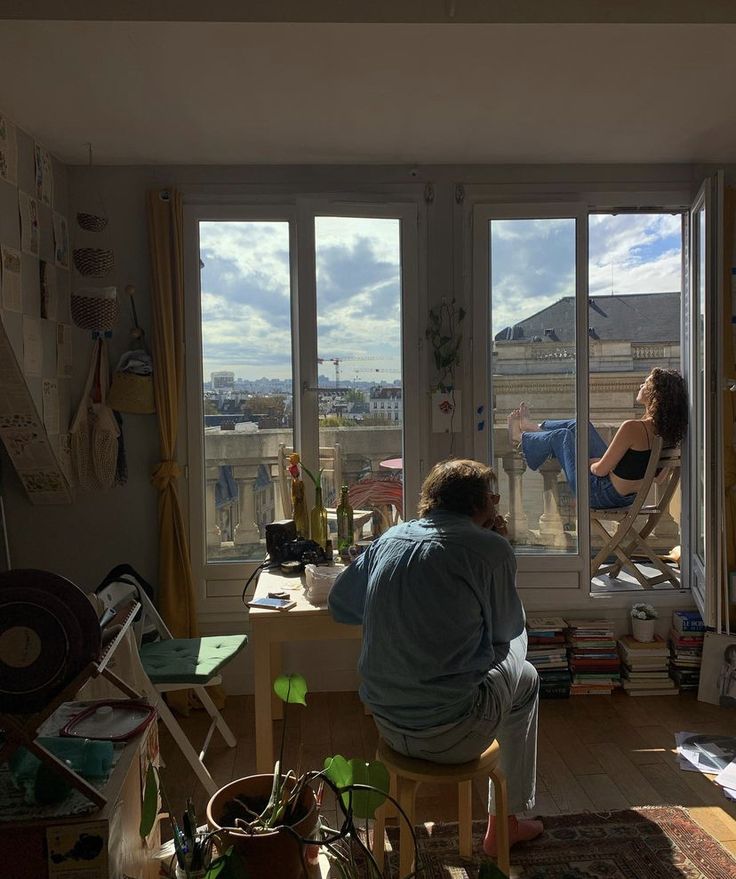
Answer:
[(634, 463)]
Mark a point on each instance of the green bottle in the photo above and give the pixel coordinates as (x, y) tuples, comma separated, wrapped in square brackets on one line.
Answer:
[(344, 524), (318, 519)]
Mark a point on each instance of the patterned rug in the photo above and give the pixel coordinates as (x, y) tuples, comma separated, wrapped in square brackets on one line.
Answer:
[(653, 843)]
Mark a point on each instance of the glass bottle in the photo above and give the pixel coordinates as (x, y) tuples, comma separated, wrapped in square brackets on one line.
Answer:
[(299, 508), (318, 519), (344, 524)]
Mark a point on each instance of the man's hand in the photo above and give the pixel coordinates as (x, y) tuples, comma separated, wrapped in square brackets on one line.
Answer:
[(499, 525)]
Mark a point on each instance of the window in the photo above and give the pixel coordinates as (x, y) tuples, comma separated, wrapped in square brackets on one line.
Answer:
[(300, 316)]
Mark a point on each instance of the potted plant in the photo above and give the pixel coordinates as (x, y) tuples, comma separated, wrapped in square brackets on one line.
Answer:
[(273, 820), (642, 621)]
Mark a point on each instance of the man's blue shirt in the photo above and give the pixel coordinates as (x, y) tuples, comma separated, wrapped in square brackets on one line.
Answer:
[(436, 596)]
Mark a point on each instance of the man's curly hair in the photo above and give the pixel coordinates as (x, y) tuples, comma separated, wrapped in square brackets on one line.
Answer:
[(457, 485), (667, 404)]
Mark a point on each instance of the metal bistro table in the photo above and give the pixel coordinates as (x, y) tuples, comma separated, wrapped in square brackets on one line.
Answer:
[(268, 630)]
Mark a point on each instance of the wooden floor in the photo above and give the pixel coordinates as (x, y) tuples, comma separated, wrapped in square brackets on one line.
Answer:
[(595, 753)]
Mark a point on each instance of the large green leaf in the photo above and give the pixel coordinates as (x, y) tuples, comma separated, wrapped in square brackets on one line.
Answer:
[(150, 803), (345, 773), (291, 688)]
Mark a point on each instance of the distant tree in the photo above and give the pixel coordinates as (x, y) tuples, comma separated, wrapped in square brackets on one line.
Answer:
[(267, 404), (353, 395)]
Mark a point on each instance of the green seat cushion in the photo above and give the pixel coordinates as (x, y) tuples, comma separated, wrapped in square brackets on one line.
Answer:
[(189, 660)]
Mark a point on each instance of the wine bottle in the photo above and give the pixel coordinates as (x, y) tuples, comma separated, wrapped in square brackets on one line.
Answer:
[(318, 519), (299, 508), (344, 524)]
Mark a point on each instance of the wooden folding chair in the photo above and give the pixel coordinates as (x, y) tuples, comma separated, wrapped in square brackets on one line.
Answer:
[(630, 536)]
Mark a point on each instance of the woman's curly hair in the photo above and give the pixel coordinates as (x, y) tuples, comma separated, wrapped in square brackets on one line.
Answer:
[(667, 404), (458, 486)]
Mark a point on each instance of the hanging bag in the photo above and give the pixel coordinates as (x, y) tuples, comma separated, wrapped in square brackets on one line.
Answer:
[(105, 430), (132, 382), (81, 426)]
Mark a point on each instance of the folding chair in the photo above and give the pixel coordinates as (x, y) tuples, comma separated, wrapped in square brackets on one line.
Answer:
[(630, 538), (176, 664)]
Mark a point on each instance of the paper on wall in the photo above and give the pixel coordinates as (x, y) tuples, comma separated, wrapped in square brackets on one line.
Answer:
[(446, 417), (8, 152), (10, 264), (44, 175), (63, 350), (32, 347), (48, 290), (50, 397), (30, 236), (61, 241)]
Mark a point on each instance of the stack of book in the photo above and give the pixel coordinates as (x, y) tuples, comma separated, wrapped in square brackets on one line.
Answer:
[(594, 660), (645, 668), (686, 648), (548, 655)]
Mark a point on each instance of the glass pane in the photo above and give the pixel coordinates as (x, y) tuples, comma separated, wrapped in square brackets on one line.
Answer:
[(359, 346), (532, 296), (247, 374), (700, 389), (634, 305)]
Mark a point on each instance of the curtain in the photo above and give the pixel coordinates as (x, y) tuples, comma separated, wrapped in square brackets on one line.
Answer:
[(176, 596), (729, 409)]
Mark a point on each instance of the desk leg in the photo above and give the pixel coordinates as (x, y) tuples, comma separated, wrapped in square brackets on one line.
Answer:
[(264, 723)]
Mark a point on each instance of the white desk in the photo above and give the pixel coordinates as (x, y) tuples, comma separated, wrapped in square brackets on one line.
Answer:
[(268, 630)]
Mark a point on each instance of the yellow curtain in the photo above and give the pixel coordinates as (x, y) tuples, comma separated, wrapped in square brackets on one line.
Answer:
[(176, 598), (729, 410)]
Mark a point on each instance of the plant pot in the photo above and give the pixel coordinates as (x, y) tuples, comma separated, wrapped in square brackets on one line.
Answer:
[(276, 854), (642, 630)]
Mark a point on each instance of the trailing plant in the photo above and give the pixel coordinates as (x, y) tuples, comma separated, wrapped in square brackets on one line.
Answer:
[(445, 336), (359, 787), (641, 611)]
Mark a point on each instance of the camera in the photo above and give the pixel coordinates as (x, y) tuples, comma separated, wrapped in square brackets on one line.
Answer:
[(283, 545)]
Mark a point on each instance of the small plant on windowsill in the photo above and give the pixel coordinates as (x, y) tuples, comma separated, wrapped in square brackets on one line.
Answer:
[(643, 611)]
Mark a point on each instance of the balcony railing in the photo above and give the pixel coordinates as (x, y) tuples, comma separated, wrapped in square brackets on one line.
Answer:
[(541, 513)]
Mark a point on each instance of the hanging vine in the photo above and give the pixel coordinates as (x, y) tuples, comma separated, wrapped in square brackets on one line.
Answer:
[(445, 335)]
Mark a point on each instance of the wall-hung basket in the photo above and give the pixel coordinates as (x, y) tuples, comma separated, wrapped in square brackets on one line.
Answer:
[(91, 222), (95, 308), (93, 261)]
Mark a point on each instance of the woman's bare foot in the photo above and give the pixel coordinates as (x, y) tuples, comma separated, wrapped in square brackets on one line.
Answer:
[(527, 425), (514, 423), (519, 831)]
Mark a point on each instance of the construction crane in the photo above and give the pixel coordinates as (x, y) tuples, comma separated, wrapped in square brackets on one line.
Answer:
[(338, 360)]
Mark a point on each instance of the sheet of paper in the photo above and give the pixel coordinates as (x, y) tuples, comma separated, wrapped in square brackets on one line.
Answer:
[(50, 397), (49, 298), (446, 412), (61, 241), (705, 753), (8, 152), (727, 777), (32, 347), (63, 350), (30, 236), (11, 279), (44, 175)]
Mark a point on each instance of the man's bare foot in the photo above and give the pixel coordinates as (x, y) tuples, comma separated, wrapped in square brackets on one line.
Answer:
[(527, 424), (514, 423), (519, 831)]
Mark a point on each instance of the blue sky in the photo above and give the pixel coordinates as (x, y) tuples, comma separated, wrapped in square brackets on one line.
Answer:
[(246, 314)]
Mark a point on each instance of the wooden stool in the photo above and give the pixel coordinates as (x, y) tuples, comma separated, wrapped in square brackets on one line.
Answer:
[(407, 773)]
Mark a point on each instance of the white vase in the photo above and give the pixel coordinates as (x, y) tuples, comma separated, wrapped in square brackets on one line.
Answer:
[(642, 630)]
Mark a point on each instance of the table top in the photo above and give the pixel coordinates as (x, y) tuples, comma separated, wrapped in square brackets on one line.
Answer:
[(295, 585)]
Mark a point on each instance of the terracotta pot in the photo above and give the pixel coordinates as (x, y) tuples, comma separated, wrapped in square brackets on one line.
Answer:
[(276, 854), (642, 630)]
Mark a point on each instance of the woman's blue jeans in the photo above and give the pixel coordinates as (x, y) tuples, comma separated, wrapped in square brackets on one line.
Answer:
[(558, 439)]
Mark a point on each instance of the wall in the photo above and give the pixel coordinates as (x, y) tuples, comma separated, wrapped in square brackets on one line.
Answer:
[(103, 529)]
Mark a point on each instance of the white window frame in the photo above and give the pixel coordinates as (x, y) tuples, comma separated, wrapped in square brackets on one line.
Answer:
[(220, 583)]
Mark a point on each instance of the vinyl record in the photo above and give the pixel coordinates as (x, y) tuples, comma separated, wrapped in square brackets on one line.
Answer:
[(48, 633)]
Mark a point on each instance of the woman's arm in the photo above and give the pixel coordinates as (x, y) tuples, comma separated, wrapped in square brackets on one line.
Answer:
[(620, 444)]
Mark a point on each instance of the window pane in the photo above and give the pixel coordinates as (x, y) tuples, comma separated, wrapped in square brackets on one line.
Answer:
[(247, 373), (700, 389), (359, 345), (532, 271), (635, 276)]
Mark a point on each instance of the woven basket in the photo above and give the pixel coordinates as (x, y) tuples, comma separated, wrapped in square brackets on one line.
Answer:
[(131, 393), (95, 308), (91, 222), (93, 261)]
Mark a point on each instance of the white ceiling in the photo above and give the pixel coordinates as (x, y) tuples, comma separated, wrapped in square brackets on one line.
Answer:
[(241, 93)]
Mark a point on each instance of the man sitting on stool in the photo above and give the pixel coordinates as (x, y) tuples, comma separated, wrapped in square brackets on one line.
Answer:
[(443, 662)]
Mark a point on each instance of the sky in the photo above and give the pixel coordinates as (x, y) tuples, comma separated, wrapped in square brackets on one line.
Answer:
[(246, 322)]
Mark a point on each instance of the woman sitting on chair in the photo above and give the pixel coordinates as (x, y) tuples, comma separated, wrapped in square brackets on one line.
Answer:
[(616, 471)]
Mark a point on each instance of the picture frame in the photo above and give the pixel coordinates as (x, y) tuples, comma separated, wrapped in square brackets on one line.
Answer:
[(718, 670)]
